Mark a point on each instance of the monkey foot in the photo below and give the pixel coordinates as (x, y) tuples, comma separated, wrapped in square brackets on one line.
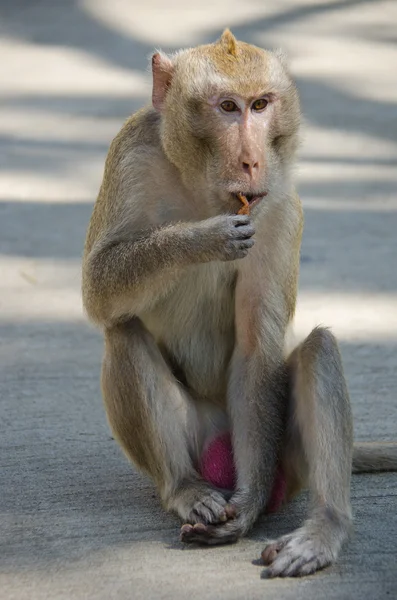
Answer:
[(191, 533), (201, 532), (296, 555), (222, 533), (208, 534)]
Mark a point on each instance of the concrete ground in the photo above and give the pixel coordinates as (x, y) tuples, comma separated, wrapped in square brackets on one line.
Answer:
[(76, 520)]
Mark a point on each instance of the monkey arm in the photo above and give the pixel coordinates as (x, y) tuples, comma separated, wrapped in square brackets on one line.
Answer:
[(265, 298), (125, 272), (257, 403), (258, 387), (124, 276)]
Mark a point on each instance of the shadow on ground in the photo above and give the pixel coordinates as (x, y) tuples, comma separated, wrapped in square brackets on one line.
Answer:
[(67, 493), (69, 490)]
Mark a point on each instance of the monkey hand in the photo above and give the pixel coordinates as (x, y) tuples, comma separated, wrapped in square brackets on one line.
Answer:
[(242, 512), (226, 237)]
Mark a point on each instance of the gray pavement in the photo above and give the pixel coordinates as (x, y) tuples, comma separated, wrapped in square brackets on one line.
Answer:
[(76, 520)]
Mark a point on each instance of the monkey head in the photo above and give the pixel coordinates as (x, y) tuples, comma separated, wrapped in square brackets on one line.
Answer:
[(229, 118)]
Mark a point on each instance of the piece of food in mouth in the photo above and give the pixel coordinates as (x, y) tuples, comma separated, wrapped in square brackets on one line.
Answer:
[(245, 209)]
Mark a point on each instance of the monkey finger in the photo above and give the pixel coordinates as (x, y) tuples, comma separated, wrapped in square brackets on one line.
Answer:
[(245, 231), (239, 248), (243, 244), (231, 511), (239, 220), (202, 514)]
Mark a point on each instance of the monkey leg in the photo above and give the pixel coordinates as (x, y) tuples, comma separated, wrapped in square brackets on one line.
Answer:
[(156, 422), (318, 454)]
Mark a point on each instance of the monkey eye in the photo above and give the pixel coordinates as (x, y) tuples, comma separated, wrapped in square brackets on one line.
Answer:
[(229, 106), (260, 104)]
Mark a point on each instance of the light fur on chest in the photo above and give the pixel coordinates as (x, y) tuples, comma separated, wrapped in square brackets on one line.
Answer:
[(201, 347)]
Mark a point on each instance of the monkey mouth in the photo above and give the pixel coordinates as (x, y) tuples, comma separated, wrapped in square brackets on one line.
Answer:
[(252, 199)]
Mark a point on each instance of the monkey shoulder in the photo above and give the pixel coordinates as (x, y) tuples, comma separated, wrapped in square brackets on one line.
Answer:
[(139, 170), (142, 129)]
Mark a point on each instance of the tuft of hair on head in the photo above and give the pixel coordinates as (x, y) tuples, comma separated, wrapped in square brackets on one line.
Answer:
[(229, 42)]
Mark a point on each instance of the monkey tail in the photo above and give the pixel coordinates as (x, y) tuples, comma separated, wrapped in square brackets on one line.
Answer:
[(373, 457)]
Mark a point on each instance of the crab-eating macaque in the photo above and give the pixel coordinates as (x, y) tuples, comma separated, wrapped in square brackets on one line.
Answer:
[(196, 303)]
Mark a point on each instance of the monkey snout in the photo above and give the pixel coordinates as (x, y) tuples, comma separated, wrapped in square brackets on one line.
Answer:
[(250, 174), (250, 168)]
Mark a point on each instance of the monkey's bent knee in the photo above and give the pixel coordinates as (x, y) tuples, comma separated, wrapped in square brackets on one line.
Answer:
[(321, 340), (130, 327), (126, 334)]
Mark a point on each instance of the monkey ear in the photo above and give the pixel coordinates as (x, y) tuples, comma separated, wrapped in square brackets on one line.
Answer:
[(162, 69), (229, 42)]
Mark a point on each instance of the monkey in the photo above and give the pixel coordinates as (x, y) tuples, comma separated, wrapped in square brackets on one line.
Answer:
[(196, 303)]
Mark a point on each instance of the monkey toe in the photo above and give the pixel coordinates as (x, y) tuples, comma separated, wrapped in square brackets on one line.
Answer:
[(186, 531), (273, 548), (299, 556), (269, 554), (221, 533), (197, 533)]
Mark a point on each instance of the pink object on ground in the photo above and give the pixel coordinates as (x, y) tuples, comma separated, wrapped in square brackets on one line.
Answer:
[(217, 467), (217, 464)]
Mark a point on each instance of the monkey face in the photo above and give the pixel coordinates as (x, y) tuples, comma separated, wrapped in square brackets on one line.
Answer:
[(230, 115)]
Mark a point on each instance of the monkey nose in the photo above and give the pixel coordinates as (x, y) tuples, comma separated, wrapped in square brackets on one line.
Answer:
[(250, 168)]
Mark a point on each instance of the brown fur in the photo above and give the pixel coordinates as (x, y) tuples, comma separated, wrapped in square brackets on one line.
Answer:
[(196, 316)]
